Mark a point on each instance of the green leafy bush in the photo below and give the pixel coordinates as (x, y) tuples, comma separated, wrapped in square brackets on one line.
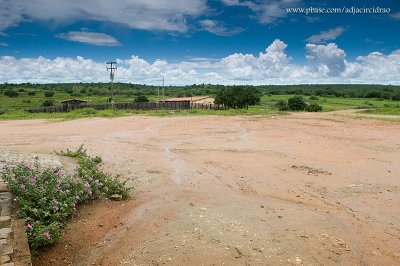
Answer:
[(314, 98), (48, 102), (31, 93), (313, 107), (48, 197), (49, 93), (11, 93), (296, 103), (141, 99), (282, 105)]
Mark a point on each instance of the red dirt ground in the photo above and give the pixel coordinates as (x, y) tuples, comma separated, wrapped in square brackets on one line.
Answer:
[(306, 188)]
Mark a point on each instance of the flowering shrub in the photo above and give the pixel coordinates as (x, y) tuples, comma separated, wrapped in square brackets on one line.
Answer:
[(47, 197)]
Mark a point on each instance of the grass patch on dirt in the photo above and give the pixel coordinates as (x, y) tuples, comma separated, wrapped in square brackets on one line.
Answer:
[(90, 112), (371, 117), (384, 111), (75, 114)]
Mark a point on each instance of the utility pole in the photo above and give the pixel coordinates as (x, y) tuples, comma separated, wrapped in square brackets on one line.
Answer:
[(163, 90), (112, 66), (159, 88)]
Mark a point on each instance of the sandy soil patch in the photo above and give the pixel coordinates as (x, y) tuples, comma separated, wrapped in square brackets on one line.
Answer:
[(312, 189)]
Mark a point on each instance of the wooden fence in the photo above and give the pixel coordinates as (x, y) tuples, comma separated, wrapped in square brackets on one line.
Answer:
[(131, 106)]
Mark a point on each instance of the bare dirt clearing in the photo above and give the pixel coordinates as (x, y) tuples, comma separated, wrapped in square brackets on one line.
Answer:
[(307, 188)]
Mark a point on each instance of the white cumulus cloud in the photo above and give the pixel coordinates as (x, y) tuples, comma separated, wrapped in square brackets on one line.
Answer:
[(331, 59), (377, 66), (326, 64), (94, 38)]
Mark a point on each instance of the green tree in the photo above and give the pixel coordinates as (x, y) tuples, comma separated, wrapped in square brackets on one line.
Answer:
[(296, 103), (49, 93), (141, 99), (396, 97), (238, 96), (48, 102)]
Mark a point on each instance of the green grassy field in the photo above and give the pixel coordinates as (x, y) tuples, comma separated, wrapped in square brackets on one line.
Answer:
[(335, 103)]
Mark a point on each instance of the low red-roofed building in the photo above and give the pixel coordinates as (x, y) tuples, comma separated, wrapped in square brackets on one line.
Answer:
[(190, 100)]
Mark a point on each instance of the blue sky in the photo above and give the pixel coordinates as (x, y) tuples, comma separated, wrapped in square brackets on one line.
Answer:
[(200, 41)]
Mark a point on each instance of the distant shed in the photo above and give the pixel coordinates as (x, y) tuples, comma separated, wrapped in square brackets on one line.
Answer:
[(71, 103)]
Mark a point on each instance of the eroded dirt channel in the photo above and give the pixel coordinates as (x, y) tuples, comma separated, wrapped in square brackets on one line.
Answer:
[(312, 189)]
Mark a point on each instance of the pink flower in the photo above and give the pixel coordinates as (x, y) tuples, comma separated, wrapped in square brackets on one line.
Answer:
[(47, 235), (29, 226), (87, 186), (29, 165), (22, 186)]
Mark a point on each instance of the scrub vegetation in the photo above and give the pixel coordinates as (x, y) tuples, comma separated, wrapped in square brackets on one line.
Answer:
[(14, 98)]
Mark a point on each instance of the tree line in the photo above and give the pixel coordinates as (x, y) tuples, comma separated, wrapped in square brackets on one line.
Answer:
[(387, 92)]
